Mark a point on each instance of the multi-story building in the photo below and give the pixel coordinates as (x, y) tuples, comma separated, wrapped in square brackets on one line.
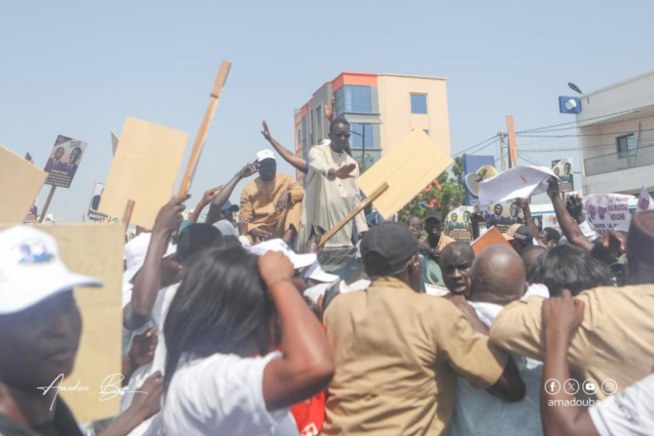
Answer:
[(381, 109), (616, 137)]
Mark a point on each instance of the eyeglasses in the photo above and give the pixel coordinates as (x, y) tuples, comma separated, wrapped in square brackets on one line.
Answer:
[(342, 134)]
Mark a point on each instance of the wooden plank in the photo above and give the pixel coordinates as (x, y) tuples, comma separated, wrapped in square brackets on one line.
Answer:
[(349, 217), (218, 85), (513, 148), (145, 169), (410, 166), (20, 183), (491, 237), (48, 200)]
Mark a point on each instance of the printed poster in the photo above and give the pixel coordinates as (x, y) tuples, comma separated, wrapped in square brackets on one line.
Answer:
[(93, 213), (458, 225), (563, 170), (606, 212), (64, 161)]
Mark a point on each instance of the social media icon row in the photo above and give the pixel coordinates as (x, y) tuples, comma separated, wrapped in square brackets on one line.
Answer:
[(589, 387)]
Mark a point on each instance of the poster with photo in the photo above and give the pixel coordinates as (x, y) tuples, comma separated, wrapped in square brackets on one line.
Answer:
[(93, 213), (64, 161), (458, 224), (606, 212), (563, 170), (503, 215)]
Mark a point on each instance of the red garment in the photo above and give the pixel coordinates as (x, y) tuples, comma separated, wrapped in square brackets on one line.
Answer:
[(310, 415)]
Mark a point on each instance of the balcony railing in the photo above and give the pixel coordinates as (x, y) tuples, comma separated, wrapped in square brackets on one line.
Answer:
[(625, 160)]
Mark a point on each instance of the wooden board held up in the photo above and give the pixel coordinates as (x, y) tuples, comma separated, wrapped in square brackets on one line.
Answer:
[(491, 237), (407, 168), (20, 183), (94, 251), (144, 169)]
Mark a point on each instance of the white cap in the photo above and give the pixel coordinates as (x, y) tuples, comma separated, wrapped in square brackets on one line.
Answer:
[(265, 154), (31, 269), (315, 272), (135, 251), (298, 260), (226, 228)]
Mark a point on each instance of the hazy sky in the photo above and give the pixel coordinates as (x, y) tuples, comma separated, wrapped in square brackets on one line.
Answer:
[(78, 68)]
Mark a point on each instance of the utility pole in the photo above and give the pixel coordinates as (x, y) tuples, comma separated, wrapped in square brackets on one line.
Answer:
[(501, 134), (513, 149)]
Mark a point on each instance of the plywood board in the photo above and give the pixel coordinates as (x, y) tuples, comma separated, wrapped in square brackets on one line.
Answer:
[(407, 168), (491, 237), (20, 183), (144, 169), (96, 251)]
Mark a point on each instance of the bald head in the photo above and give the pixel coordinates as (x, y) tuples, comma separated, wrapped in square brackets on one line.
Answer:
[(498, 276), (455, 262)]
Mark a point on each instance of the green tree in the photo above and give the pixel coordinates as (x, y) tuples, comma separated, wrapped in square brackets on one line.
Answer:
[(445, 193)]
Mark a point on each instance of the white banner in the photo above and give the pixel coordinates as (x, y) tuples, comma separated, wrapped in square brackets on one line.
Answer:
[(606, 212)]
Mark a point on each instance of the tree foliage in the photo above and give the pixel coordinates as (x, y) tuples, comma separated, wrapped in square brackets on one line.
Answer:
[(443, 194)]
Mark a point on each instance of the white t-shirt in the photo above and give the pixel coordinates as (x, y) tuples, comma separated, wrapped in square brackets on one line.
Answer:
[(223, 395), (629, 412)]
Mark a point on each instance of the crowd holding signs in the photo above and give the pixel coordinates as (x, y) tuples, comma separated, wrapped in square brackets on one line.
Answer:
[(300, 311)]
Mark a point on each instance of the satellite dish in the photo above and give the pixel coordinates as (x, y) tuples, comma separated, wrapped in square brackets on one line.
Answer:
[(483, 173)]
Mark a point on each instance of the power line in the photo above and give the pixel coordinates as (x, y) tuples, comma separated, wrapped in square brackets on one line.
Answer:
[(492, 138), (583, 134), (542, 130)]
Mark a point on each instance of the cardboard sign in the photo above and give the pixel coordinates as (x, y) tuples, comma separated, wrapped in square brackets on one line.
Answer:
[(491, 237), (144, 170), (92, 389), (93, 213), (20, 183), (458, 225), (410, 166), (64, 160), (563, 170), (606, 212)]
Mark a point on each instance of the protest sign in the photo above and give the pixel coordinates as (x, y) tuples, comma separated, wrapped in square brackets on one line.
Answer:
[(606, 212), (491, 237), (92, 391), (562, 169), (93, 213), (20, 183), (518, 182), (458, 225), (503, 215), (64, 161), (410, 166), (144, 170), (644, 200), (114, 143)]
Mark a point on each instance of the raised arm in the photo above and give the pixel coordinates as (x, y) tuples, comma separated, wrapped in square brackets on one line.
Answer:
[(529, 220), (221, 197), (561, 318), (204, 201), (568, 225), (306, 366), (290, 157), (148, 280)]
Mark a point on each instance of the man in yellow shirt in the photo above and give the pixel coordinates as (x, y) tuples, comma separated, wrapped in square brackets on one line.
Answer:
[(612, 348), (271, 204), (398, 352)]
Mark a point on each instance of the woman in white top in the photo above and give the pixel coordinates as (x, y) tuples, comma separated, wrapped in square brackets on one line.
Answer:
[(221, 376)]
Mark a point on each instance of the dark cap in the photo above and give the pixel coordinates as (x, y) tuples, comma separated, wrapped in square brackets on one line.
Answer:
[(229, 207), (386, 249), (520, 232), (435, 216), (640, 241)]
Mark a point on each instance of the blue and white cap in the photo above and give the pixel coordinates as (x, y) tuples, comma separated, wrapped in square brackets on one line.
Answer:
[(31, 269)]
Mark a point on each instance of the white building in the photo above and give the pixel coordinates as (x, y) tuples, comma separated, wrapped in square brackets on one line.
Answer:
[(616, 129)]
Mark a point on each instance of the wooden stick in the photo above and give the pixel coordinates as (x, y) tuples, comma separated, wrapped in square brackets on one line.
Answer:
[(221, 78), (127, 216), (47, 203), (513, 148), (349, 217)]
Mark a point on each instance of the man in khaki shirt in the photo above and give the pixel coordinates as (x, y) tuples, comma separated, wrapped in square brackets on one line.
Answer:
[(398, 353), (614, 341), (271, 205)]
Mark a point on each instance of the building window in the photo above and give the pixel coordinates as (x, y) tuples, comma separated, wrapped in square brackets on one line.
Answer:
[(625, 144), (350, 98), (426, 131), (361, 135), (418, 103)]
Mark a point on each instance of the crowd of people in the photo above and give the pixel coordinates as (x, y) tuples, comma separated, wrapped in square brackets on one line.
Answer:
[(240, 326)]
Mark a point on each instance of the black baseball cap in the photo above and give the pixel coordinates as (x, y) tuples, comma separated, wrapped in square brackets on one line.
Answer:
[(229, 207), (386, 249), (434, 216)]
